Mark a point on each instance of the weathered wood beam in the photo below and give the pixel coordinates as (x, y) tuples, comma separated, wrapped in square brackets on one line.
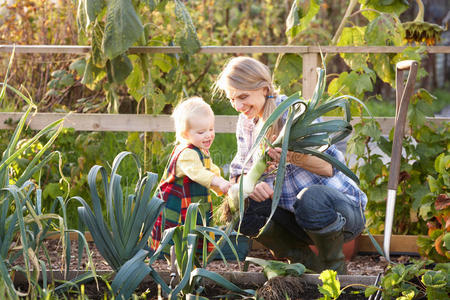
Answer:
[(150, 123), (74, 49)]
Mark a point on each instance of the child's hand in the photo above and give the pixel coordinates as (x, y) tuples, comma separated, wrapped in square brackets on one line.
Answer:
[(222, 184)]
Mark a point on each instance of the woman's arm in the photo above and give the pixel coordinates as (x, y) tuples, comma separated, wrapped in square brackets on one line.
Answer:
[(311, 163), (308, 162)]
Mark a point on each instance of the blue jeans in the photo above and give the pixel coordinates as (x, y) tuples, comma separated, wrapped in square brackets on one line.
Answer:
[(320, 209)]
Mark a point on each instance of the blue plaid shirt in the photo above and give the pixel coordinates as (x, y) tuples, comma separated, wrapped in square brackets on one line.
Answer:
[(296, 178)]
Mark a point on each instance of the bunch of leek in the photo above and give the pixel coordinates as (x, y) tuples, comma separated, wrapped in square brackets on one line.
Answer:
[(301, 133)]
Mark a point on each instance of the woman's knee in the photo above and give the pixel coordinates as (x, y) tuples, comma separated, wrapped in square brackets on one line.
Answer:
[(314, 208)]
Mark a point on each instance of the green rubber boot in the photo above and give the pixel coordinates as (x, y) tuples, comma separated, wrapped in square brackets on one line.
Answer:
[(329, 246), (283, 245)]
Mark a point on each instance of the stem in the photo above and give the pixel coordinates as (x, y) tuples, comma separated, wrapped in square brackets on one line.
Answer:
[(349, 10), (421, 11)]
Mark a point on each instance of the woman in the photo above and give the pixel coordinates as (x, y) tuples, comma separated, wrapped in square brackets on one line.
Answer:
[(318, 205)]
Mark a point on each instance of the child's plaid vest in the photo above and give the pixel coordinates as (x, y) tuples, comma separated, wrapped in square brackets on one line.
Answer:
[(178, 193)]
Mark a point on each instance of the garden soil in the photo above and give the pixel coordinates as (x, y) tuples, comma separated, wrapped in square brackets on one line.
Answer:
[(295, 288)]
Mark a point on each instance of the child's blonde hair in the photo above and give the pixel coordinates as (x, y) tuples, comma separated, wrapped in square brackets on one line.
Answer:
[(249, 74), (193, 107)]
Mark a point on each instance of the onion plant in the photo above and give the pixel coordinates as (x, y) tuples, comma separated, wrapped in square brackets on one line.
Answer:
[(23, 225), (190, 266), (303, 132), (123, 233)]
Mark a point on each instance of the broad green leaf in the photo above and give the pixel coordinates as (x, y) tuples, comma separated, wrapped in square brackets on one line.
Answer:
[(387, 6), (382, 31), (134, 83), (93, 8), (78, 66), (91, 75), (446, 240), (119, 68), (297, 20), (288, 69), (188, 38), (383, 67), (353, 36), (123, 28)]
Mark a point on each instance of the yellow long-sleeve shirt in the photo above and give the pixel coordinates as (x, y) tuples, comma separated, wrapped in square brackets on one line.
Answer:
[(190, 165)]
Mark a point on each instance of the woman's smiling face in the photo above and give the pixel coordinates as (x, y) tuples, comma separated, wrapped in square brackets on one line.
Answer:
[(250, 103)]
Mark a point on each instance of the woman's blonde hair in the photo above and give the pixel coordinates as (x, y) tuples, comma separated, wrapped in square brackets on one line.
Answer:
[(193, 107), (249, 74)]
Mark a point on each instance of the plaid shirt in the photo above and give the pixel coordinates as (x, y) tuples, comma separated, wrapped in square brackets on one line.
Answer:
[(296, 178)]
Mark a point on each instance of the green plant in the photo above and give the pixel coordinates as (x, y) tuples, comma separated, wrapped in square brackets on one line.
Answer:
[(23, 223), (331, 287), (273, 268), (415, 280), (435, 209), (129, 217), (191, 265)]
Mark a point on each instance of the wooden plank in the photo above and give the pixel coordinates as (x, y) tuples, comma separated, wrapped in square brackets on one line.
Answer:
[(310, 64), (74, 49), (399, 243), (73, 236), (150, 123)]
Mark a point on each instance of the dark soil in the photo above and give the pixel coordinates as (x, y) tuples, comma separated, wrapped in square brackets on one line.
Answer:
[(294, 288)]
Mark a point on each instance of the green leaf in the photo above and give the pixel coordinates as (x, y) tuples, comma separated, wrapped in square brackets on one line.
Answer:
[(119, 68), (353, 36), (297, 21), (382, 31), (383, 67), (78, 66), (387, 6), (288, 69), (446, 240), (123, 28), (93, 8), (370, 291), (331, 286), (188, 38)]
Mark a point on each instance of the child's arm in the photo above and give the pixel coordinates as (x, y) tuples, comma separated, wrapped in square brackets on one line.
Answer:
[(221, 183), (190, 165)]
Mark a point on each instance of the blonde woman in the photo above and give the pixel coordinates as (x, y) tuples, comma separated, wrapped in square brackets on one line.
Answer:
[(330, 207), (190, 173)]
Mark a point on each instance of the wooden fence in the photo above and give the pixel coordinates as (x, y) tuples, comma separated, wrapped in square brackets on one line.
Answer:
[(162, 123)]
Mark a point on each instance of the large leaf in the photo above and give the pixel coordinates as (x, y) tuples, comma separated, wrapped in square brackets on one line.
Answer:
[(93, 8), (288, 69), (299, 20), (119, 68), (353, 36), (123, 28), (388, 6), (187, 39)]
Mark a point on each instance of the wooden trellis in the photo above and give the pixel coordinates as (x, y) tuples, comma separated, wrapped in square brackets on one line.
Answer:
[(162, 123)]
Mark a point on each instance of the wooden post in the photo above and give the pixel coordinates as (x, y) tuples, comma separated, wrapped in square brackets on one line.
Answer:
[(310, 64)]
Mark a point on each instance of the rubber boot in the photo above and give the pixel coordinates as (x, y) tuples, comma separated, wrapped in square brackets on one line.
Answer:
[(329, 246), (283, 245)]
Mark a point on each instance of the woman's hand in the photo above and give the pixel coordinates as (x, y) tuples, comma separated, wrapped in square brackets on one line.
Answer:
[(262, 192), (307, 162)]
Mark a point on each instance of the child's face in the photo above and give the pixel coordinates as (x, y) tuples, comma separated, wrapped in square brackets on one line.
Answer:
[(201, 132)]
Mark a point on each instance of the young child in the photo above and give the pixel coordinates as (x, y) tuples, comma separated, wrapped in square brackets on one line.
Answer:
[(190, 172)]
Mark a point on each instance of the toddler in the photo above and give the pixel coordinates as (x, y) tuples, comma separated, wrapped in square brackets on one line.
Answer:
[(190, 173)]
